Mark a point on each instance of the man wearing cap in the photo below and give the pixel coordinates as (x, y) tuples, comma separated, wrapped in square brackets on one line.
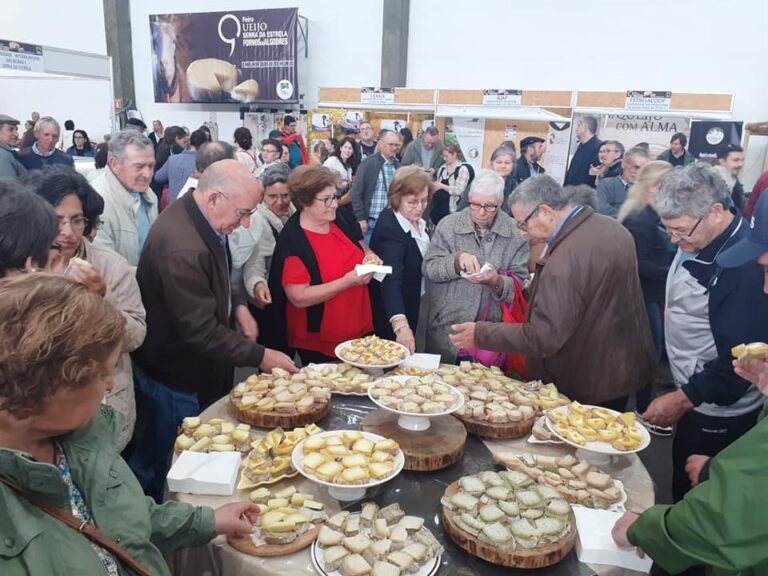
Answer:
[(612, 192), (296, 146), (9, 136), (43, 151), (531, 151), (709, 310), (137, 124)]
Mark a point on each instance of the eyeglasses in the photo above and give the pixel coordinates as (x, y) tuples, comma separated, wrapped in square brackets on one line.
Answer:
[(269, 151), (416, 203), (524, 224), (328, 200), (76, 223), (490, 208), (681, 235), (241, 212)]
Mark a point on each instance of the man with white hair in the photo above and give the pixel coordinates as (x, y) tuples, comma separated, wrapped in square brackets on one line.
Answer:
[(188, 357), (130, 206), (709, 310), (43, 151), (612, 191), (587, 330)]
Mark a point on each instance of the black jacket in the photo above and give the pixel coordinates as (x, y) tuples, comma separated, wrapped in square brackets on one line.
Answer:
[(585, 156), (364, 185), (400, 292), (523, 169), (654, 252)]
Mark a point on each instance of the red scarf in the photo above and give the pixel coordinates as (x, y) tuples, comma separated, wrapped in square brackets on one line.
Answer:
[(290, 139)]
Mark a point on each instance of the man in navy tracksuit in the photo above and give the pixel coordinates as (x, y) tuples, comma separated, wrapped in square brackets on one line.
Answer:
[(709, 310)]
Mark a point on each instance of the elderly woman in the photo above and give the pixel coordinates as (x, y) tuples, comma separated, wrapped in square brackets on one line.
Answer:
[(62, 481), (462, 243), (453, 178), (401, 240), (503, 163), (77, 205), (312, 278)]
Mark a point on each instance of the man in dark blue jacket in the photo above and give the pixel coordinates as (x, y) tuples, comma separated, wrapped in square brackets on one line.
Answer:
[(586, 153), (709, 310)]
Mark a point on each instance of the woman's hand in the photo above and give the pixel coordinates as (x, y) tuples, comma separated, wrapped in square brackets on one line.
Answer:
[(352, 279), (372, 258), (693, 467), (261, 294), (596, 170), (88, 276), (236, 519), (619, 532), (468, 263), (490, 278), (404, 336)]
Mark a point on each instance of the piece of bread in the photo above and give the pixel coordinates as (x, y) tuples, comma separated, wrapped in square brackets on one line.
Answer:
[(401, 559), (411, 523), (329, 537), (381, 568), (599, 480), (355, 565), (333, 556), (356, 544)]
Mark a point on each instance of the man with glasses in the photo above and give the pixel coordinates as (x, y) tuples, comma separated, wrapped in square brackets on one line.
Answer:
[(374, 175), (587, 330), (188, 357), (366, 141), (709, 309), (271, 150)]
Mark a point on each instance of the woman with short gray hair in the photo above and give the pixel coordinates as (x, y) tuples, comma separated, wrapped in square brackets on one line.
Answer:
[(462, 244), (502, 163)]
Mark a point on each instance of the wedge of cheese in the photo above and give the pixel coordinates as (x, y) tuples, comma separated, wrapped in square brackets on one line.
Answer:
[(209, 77)]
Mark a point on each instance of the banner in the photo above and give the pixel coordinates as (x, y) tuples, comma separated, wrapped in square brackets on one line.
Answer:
[(708, 138), (246, 57), (556, 156), (468, 134), (19, 56)]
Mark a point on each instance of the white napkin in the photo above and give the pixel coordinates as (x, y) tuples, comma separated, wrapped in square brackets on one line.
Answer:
[(378, 271), (596, 546), (479, 274), (422, 362), (211, 474)]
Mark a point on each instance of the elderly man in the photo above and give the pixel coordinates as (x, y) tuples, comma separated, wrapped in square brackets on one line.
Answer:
[(209, 153), (612, 192), (426, 152), (130, 207), (43, 151), (531, 151), (586, 155), (709, 309), (374, 175), (191, 348), (587, 330), (10, 168)]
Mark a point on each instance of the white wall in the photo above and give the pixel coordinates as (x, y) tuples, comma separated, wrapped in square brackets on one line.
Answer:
[(75, 25), (344, 50)]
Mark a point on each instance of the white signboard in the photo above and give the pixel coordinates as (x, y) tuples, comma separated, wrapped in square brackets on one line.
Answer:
[(647, 100), (371, 95), (502, 97), (21, 57)]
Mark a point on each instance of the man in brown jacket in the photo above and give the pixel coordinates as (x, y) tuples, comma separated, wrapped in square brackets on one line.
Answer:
[(191, 349), (587, 330)]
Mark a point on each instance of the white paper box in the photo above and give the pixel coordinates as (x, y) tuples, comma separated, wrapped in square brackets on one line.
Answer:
[(596, 546), (211, 474), (378, 271), (422, 362)]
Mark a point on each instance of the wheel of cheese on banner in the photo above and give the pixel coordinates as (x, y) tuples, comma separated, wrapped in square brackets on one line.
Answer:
[(209, 77)]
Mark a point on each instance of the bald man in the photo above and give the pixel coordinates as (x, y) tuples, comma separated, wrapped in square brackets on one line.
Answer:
[(192, 346)]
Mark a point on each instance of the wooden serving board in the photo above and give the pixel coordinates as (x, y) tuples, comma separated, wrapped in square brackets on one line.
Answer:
[(280, 419), (245, 545), (518, 558), (433, 449), (506, 431)]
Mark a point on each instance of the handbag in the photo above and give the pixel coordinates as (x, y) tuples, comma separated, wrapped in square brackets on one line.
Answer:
[(85, 528)]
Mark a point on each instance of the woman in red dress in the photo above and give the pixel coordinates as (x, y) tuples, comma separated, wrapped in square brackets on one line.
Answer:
[(325, 301)]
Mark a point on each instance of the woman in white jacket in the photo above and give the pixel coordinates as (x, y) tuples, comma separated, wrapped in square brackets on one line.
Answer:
[(342, 162)]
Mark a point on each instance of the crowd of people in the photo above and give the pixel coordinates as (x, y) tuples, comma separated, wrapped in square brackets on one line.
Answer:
[(131, 296)]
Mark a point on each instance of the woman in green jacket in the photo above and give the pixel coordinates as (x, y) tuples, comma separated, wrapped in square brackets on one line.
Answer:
[(59, 344)]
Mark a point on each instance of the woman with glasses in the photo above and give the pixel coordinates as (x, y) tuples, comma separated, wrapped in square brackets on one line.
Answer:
[(81, 145), (401, 240), (100, 269), (316, 293), (458, 286)]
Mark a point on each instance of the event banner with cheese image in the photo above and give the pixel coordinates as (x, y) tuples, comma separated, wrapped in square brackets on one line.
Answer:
[(239, 57)]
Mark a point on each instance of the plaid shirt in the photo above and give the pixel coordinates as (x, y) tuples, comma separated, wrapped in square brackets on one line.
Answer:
[(379, 198)]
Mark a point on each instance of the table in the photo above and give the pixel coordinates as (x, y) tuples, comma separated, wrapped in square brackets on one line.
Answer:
[(418, 493)]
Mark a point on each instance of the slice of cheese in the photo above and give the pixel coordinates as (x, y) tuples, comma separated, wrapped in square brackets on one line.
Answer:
[(208, 77), (247, 91)]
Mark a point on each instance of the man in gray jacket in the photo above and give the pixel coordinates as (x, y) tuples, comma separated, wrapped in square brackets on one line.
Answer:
[(612, 192), (9, 135), (426, 152)]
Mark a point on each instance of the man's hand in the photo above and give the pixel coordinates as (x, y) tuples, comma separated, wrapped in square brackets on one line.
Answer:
[(246, 322), (620, 529), (405, 337), (88, 276), (694, 466), (464, 336), (274, 359), (468, 263), (261, 294), (667, 410), (363, 226), (236, 519), (755, 371)]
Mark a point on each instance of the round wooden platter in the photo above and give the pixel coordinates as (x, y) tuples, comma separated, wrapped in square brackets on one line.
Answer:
[(441, 445), (245, 545), (280, 419), (507, 431), (522, 558)]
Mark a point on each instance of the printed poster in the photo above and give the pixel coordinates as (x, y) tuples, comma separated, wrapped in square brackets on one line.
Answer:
[(240, 56), (556, 157), (468, 134), (708, 138)]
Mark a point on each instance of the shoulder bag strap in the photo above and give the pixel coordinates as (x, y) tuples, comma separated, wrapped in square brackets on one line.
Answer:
[(85, 528)]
